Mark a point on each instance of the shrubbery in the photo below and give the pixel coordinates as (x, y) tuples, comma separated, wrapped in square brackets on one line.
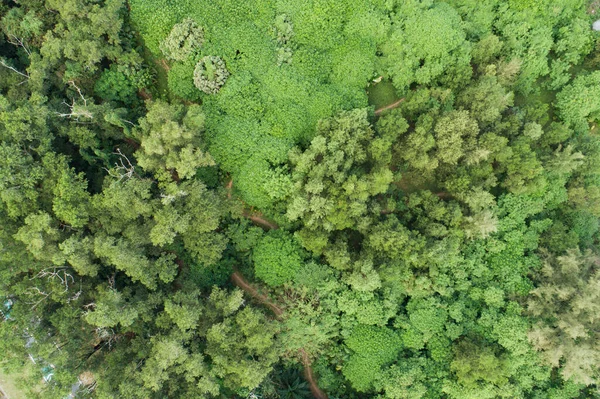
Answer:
[(181, 80), (277, 258)]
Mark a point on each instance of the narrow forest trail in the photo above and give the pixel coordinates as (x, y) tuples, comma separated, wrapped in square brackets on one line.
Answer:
[(255, 217), (261, 221), (239, 280), (310, 376), (390, 106)]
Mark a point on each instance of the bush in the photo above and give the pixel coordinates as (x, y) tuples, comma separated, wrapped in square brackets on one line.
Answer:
[(277, 258), (210, 74), (121, 83), (113, 85), (373, 347), (185, 38), (181, 81)]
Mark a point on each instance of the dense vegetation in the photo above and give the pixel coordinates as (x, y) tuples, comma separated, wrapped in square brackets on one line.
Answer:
[(294, 198)]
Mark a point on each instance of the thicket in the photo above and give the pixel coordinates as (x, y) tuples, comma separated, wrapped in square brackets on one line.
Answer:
[(405, 193)]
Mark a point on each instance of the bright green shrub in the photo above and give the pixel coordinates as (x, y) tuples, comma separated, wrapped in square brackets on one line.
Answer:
[(373, 347), (114, 85), (579, 102), (155, 19), (121, 82), (426, 45), (362, 372), (277, 258), (181, 81), (261, 185)]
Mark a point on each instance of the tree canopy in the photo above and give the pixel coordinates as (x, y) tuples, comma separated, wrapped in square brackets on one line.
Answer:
[(292, 199)]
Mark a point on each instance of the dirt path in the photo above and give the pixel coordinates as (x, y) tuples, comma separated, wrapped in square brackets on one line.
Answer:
[(259, 220), (256, 217), (241, 282), (390, 106), (163, 63), (309, 374)]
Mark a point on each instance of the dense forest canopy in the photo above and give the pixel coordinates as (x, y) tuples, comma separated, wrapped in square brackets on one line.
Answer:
[(300, 198)]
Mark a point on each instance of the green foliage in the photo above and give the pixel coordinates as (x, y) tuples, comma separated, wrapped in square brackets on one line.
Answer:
[(210, 74), (242, 346), (428, 45), (170, 138), (478, 371), (578, 102), (277, 258), (181, 80), (337, 176), (372, 348), (121, 83), (427, 220), (565, 304), (185, 39)]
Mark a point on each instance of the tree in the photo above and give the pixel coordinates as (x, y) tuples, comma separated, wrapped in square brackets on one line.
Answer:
[(486, 99), (455, 135), (428, 45), (185, 39), (277, 258), (171, 140), (479, 373), (372, 347), (565, 304), (87, 34), (578, 103), (210, 74), (242, 345), (336, 178)]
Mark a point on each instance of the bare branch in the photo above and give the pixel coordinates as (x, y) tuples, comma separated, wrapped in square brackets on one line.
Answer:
[(59, 273), (77, 111), (5, 65), (12, 39), (78, 91), (36, 290), (123, 169)]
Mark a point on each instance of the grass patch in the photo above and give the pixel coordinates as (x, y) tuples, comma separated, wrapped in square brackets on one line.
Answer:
[(382, 94), (10, 383)]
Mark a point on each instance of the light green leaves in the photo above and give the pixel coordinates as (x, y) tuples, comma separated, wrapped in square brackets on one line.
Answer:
[(185, 39), (277, 258)]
